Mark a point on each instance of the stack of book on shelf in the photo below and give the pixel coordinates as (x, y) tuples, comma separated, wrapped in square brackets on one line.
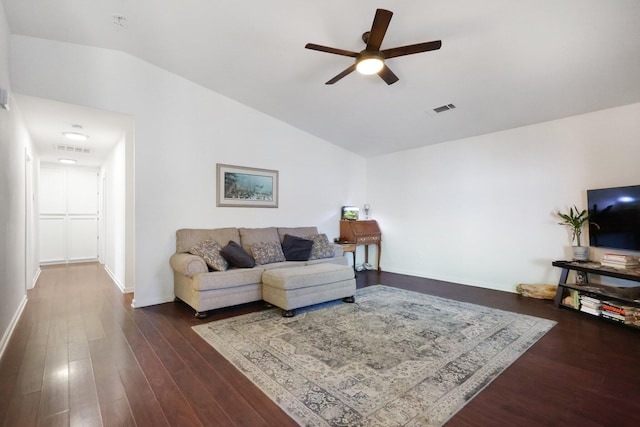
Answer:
[(618, 312), (590, 305), (620, 261)]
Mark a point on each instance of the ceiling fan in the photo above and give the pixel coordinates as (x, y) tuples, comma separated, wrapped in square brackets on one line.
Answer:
[(371, 59)]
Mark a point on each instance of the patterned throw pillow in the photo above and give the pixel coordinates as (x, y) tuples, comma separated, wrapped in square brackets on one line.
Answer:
[(210, 251), (321, 246), (267, 252)]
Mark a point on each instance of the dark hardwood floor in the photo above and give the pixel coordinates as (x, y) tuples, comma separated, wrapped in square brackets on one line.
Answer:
[(81, 355)]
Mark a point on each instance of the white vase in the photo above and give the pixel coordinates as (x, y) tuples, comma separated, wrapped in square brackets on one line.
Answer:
[(580, 253)]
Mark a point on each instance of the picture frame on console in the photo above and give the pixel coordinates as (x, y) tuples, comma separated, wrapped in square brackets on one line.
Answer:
[(350, 213), (240, 186)]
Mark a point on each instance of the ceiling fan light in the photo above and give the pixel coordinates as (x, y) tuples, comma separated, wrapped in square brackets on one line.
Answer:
[(370, 65)]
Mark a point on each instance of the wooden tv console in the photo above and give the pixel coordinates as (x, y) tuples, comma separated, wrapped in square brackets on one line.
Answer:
[(627, 296)]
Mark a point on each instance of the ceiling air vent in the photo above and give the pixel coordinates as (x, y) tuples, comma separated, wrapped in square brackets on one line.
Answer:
[(72, 149), (444, 108)]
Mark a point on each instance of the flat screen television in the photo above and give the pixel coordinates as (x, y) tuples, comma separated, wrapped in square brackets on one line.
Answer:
[(614, 217)]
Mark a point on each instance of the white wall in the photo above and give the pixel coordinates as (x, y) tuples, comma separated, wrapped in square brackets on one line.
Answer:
[(477, 211), (15, 146), (181, 131), (480, 211), (113, 174)]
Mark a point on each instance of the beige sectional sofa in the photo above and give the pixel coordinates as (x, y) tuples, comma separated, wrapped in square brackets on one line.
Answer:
[(203, 289)]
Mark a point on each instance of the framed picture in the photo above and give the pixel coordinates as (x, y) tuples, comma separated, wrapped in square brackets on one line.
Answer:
[(240, 186), (350, 213)]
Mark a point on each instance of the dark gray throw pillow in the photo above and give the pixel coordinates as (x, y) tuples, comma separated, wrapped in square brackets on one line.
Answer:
[(296, 248), (237, 256)]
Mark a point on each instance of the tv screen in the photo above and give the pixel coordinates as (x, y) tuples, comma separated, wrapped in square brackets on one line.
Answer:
[(614, 217)]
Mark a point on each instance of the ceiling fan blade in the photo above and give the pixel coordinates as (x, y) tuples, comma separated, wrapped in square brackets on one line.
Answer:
[(388, 76), (342, 52), (341, 75), (411, 49), (379, 29)]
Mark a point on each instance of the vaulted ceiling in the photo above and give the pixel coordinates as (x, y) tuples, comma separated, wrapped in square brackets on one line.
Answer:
[(503, 63)]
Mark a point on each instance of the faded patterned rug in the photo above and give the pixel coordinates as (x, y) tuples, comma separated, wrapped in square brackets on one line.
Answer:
[(394, 358)]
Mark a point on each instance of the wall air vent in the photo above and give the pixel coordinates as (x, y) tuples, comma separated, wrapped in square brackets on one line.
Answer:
[(72, 149), (444, 108)]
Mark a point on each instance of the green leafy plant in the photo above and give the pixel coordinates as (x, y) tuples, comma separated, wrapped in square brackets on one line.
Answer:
[(575, 221)]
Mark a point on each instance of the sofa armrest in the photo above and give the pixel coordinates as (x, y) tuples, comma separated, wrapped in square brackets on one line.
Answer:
[(337, 250), (188, 264)]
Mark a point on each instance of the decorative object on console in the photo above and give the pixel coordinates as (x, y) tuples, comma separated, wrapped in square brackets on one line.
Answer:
[(575, 220), (367, 208), (581, 278), (350, 213), (240, 186)]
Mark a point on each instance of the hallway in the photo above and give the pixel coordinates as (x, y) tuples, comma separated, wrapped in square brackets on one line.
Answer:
[(81, 356)]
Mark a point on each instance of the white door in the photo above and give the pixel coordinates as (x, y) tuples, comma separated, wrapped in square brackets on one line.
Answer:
[(68, 215)]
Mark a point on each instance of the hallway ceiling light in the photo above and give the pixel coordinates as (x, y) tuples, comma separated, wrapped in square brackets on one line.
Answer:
[(67, 161), (75, 136)]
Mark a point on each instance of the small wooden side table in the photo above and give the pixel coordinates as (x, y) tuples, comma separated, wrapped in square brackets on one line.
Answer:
[(362, 232), (349, 247)]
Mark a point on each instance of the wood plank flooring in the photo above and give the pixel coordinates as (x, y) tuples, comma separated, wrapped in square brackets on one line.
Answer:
[(81, 356)]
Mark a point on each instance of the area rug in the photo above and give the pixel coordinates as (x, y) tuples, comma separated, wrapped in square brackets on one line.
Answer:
[(394, 358)]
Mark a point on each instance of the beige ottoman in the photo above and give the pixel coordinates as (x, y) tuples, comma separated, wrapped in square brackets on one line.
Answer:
[(293, 287)]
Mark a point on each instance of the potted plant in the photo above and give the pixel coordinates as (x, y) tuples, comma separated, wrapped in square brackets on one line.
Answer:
[(575, 220)]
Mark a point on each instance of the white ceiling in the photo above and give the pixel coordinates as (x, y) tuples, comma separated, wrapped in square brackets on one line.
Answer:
[(46, 121), (503, 63)]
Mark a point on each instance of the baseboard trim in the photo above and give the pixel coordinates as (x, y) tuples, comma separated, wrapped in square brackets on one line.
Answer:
[(70, 261), (138, 303), (455, 280), (12, 326), (115, 280), (35, 278)]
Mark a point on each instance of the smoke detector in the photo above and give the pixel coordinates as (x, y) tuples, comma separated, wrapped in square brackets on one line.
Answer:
[(119, 20)]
